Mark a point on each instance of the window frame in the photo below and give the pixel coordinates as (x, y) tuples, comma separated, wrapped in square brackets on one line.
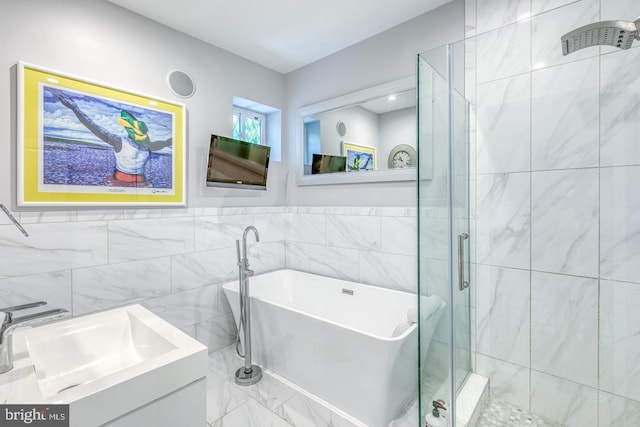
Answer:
[(242, 113)]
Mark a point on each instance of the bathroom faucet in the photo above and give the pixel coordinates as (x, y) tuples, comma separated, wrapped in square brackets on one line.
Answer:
[(245, 261), (8, 323), (248, 374)]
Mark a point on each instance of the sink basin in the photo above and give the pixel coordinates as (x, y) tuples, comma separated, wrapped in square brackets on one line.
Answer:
[(126, 357), (78, 352)]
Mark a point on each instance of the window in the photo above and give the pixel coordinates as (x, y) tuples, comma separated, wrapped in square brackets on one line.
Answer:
[(249, 126)]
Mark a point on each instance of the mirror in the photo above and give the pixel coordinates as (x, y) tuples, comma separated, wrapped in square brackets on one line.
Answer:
[(366, 136)]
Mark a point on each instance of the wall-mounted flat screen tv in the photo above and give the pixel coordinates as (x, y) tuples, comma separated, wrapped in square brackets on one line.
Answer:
[(237, 164), (324, 163)]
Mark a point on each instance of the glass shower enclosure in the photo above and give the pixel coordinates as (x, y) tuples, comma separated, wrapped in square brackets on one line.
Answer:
[(443, 228)]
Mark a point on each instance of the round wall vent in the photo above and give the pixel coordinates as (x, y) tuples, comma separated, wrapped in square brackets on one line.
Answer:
[(181, 84), (341, 128)]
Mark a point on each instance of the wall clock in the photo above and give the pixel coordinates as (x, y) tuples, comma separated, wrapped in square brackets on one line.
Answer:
[(402, 156)]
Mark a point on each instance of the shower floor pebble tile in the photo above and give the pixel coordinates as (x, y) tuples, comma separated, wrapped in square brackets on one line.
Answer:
[(502, 414)]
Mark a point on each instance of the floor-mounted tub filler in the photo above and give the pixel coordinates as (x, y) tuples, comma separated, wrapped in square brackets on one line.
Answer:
[(351, 345)]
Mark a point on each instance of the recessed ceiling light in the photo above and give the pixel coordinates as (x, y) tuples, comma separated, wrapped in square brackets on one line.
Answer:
[(391, 98)]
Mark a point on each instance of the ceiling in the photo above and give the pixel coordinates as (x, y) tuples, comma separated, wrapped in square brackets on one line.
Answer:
[(281, 34)]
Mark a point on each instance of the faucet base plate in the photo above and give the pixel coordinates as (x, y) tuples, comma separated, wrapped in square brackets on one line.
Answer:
[(244, 378)]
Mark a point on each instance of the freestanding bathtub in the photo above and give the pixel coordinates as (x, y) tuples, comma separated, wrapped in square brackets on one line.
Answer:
[(334, 339)]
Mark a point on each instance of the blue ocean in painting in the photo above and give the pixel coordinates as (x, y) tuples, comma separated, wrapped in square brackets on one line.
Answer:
[(359, 161), (77, 164), (73, 155)]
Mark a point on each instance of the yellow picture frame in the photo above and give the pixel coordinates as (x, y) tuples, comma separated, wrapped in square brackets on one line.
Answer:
[(83, 143), (359, 157)]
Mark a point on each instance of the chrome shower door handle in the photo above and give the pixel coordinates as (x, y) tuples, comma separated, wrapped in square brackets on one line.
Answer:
[(462, 284)]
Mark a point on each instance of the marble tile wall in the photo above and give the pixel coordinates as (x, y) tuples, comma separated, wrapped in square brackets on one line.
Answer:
[(171, 261), (375, 246), (557, 230), (174, 261)]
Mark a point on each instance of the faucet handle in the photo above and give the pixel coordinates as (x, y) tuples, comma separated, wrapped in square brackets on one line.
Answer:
[(22, 306)]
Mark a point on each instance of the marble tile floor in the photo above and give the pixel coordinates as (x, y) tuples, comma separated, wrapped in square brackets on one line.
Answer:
[(273, 402), (502, 414)]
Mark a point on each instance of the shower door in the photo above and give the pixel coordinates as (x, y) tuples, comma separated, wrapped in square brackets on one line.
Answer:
[(443, 224)]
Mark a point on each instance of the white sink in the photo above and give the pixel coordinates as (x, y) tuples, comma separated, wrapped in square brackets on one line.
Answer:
[(77, 352), (128, 357)]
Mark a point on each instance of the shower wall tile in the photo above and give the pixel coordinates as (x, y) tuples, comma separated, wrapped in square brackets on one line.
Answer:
[(509, 382), (579, 229), (620, 338), (492, 14), (564, 221), (297, 256), (216, 333), (223, 302), (54, 288), (108, 286), (504, 52), (52, 247), (540, 6), (565, 101), (502, 314), (470, 18), (264, 257), (142, 213), (45, 217), (504, 125), (547, 29), (616, 411), (503, 219), (565, 402), (619, 108), (564, 325), (399, 235), (388, 270), (434, 278), (197, 269), (356, 232), (620, 223), (131, 240), (615, 10), (435, 232), (303, 227), (177, 212), (271, 227), (335, 262), (217, 232), (186, 308), (100, 215)]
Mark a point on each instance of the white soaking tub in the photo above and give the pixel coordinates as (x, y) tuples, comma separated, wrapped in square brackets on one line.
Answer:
[(334, 339)]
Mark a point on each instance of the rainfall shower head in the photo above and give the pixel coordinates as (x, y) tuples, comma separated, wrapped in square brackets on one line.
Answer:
[(613, 33)]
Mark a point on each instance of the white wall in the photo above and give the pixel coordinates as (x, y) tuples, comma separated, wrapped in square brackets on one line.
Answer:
[(362, 129), (170, 260), (100, 41), (388, 56), (396, 127)]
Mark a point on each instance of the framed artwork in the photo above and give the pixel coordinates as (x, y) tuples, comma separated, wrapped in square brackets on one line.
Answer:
[(82, 143), (359, 157)]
